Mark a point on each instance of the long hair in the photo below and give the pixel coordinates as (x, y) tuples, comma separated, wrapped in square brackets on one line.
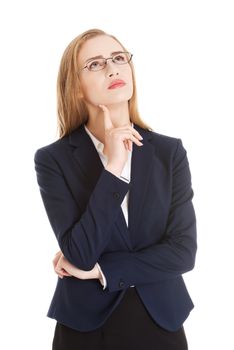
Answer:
[(71, 109)]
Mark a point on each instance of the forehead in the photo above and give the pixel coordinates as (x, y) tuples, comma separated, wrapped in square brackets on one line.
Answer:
[(100, 45)]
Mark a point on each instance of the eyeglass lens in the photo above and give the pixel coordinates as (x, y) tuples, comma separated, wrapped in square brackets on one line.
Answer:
[(120, 58)]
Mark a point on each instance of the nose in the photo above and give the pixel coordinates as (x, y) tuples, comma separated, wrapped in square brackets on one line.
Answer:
[(111, 68)]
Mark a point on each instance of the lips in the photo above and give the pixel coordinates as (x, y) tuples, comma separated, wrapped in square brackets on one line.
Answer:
[(116, 83)]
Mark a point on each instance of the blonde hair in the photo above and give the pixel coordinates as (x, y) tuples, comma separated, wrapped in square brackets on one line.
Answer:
[(71, 109)]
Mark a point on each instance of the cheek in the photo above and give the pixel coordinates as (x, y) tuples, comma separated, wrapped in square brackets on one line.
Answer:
[(91, 90), (130, 78), (130, 82)]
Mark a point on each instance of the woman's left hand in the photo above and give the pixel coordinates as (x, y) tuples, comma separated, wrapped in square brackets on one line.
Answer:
[(64, 268)]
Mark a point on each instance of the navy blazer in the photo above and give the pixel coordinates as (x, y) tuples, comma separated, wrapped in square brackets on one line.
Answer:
[(83, 203)]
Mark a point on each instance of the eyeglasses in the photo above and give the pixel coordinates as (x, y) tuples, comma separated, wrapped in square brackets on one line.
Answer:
[(100, 63)]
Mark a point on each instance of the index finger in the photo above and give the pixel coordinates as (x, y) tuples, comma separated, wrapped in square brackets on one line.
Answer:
[(107, 120)]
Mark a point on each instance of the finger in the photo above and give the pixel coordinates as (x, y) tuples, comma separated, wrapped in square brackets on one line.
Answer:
[(58, 267), (57, 256), (107, 120), (55, 260), (132, 130), (64, 267), (65, 273), (129, 136), (130, 145), (61, 272), (126, 144)]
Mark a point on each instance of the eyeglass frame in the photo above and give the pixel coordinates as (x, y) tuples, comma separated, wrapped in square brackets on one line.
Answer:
[(106, 59)]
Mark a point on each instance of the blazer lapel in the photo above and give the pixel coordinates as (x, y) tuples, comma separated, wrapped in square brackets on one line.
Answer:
[(142, 160), (86, 155)]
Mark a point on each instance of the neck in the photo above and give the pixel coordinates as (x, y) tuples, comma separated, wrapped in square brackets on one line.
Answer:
[(119, 115)]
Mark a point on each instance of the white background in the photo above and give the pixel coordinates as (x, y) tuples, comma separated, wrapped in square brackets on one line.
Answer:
[(184, 59)]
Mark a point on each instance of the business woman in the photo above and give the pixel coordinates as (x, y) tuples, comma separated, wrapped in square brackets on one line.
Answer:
[(118, 197)]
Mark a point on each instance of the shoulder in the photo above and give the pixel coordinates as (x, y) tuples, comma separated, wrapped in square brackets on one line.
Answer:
[(163, 140), (52, 150), (164, 144), (157, 137), (65, 144)]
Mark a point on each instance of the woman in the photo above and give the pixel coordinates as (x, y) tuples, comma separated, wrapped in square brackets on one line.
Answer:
[(119, 199)]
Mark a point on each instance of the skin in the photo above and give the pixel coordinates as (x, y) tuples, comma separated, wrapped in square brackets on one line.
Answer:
[(109, 121)]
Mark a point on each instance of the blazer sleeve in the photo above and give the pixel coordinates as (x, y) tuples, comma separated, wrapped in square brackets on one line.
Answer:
[(174, 254), (82, 235)]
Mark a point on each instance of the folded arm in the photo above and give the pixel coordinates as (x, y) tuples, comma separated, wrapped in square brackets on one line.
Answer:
[(82, 235)]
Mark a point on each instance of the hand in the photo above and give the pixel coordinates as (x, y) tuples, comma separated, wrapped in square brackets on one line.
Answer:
[(64, 268), (62, 272), (118, 141)]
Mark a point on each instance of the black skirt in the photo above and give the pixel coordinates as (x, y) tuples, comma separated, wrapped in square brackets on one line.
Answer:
[(130, 326)]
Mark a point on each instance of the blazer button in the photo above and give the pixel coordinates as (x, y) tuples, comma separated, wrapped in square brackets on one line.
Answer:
[(121, 284), (116, 195)]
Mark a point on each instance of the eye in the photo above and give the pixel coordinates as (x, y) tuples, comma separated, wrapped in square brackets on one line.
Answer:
[(120, 58), (95, 65)]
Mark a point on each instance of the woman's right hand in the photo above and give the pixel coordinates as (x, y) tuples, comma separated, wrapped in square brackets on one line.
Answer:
[(117, 143)]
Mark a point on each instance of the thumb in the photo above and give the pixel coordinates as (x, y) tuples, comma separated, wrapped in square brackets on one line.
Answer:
[(107, 120)]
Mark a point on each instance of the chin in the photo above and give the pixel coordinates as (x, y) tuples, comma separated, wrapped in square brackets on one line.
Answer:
[(118, 99)]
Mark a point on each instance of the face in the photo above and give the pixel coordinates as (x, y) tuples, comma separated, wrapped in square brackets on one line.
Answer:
[(95, 84)]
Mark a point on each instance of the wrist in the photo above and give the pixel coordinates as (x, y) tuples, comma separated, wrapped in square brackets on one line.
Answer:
[(96, 272), (115, 170)]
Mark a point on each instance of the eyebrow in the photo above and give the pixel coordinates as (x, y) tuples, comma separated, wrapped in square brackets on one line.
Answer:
[(100, 56)]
